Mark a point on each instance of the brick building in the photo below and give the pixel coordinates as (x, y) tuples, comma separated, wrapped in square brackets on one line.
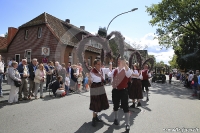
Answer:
[(47, 36)]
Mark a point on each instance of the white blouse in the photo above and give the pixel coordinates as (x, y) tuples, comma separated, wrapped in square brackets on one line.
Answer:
[(127, 73), (135, 72), (97, 79)]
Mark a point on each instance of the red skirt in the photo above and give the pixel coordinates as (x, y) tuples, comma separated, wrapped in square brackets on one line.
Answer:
[(98, 98), (135, 90)]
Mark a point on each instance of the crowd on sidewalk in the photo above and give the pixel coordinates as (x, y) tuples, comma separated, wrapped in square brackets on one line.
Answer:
[(60, 79), (190, 80)]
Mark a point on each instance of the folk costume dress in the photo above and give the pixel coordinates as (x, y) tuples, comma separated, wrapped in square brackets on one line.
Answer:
[(145, 81), (98, 97), (135, 91)]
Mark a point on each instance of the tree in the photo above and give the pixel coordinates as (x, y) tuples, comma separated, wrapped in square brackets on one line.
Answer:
[(173, 62), (187, 53), (6, 34), (173, 18), (114, 47), (102, 32), (152, 56)]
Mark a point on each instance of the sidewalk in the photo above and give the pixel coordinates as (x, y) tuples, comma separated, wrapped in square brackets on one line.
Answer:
[(6, 92)]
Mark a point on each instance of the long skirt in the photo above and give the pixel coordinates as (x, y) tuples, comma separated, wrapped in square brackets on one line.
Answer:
[(135, 91), (98, 97)]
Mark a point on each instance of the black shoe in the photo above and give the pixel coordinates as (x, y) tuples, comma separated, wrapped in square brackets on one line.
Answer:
[(139, 104), (133, 105), (97, 119), (116, 122), (127, 127), (94, 122), (120, 106), (25, 98), (147, 99)]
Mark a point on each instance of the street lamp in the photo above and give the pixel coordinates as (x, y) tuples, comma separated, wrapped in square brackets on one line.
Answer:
[(119, 15)]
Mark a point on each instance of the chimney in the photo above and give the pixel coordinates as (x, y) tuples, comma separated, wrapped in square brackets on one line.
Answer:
[(82, 27), (67, 20), (11, 33)]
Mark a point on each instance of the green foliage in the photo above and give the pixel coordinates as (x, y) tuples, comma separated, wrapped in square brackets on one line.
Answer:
[(102, 32), (174, 18), (160, 64), (152, 56), (6, 34), (187, 56), (114, 47), (173, 62)]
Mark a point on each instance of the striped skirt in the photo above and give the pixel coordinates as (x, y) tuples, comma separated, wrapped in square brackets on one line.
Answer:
[(98, 98)]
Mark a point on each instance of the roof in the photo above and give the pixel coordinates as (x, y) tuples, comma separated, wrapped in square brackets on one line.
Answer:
[(59, 27), (64, 31), (3, 43)]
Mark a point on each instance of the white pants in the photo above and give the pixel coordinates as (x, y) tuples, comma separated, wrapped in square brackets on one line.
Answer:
[(13, 97), (59, 92)]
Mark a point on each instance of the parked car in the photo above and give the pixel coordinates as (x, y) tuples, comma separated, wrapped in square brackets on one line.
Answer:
[(159, 77)]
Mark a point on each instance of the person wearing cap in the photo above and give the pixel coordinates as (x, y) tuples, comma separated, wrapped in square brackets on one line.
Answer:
[(120, 77)]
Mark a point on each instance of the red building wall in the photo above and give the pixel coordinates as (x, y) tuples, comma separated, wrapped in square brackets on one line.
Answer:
[(19, 44)]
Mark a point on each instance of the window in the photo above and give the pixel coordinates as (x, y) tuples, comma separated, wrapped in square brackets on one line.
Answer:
[(17, 58), (90, 61), (70, 58), (27, 55), (26, 34), (39, 32)]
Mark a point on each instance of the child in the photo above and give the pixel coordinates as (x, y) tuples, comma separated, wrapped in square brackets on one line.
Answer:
[(80, 80), (67, 83), (86, 82)]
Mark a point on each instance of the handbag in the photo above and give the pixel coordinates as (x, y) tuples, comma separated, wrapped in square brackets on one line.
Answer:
[(17, 83)]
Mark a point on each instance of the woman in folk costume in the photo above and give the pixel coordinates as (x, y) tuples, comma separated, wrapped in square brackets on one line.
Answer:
[(145, 80), (98, 97), (135, 91)]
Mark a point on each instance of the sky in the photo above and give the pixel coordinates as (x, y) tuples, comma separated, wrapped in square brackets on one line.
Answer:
[(134, 26)]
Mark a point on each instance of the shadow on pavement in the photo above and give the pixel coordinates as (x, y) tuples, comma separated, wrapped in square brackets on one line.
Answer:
[(87, 127), (176, 89), (5, 103)]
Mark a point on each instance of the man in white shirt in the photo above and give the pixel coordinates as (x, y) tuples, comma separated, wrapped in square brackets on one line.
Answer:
[(1, 75), (120, 77)]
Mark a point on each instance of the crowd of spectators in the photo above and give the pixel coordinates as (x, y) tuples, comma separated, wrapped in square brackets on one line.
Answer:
[(191, 80), (60, 79)]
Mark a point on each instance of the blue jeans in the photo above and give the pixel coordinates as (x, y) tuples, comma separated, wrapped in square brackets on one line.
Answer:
[(1, 79), (66, 89)]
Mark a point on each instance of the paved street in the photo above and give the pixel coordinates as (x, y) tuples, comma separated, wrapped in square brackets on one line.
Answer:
[(170, 106)]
